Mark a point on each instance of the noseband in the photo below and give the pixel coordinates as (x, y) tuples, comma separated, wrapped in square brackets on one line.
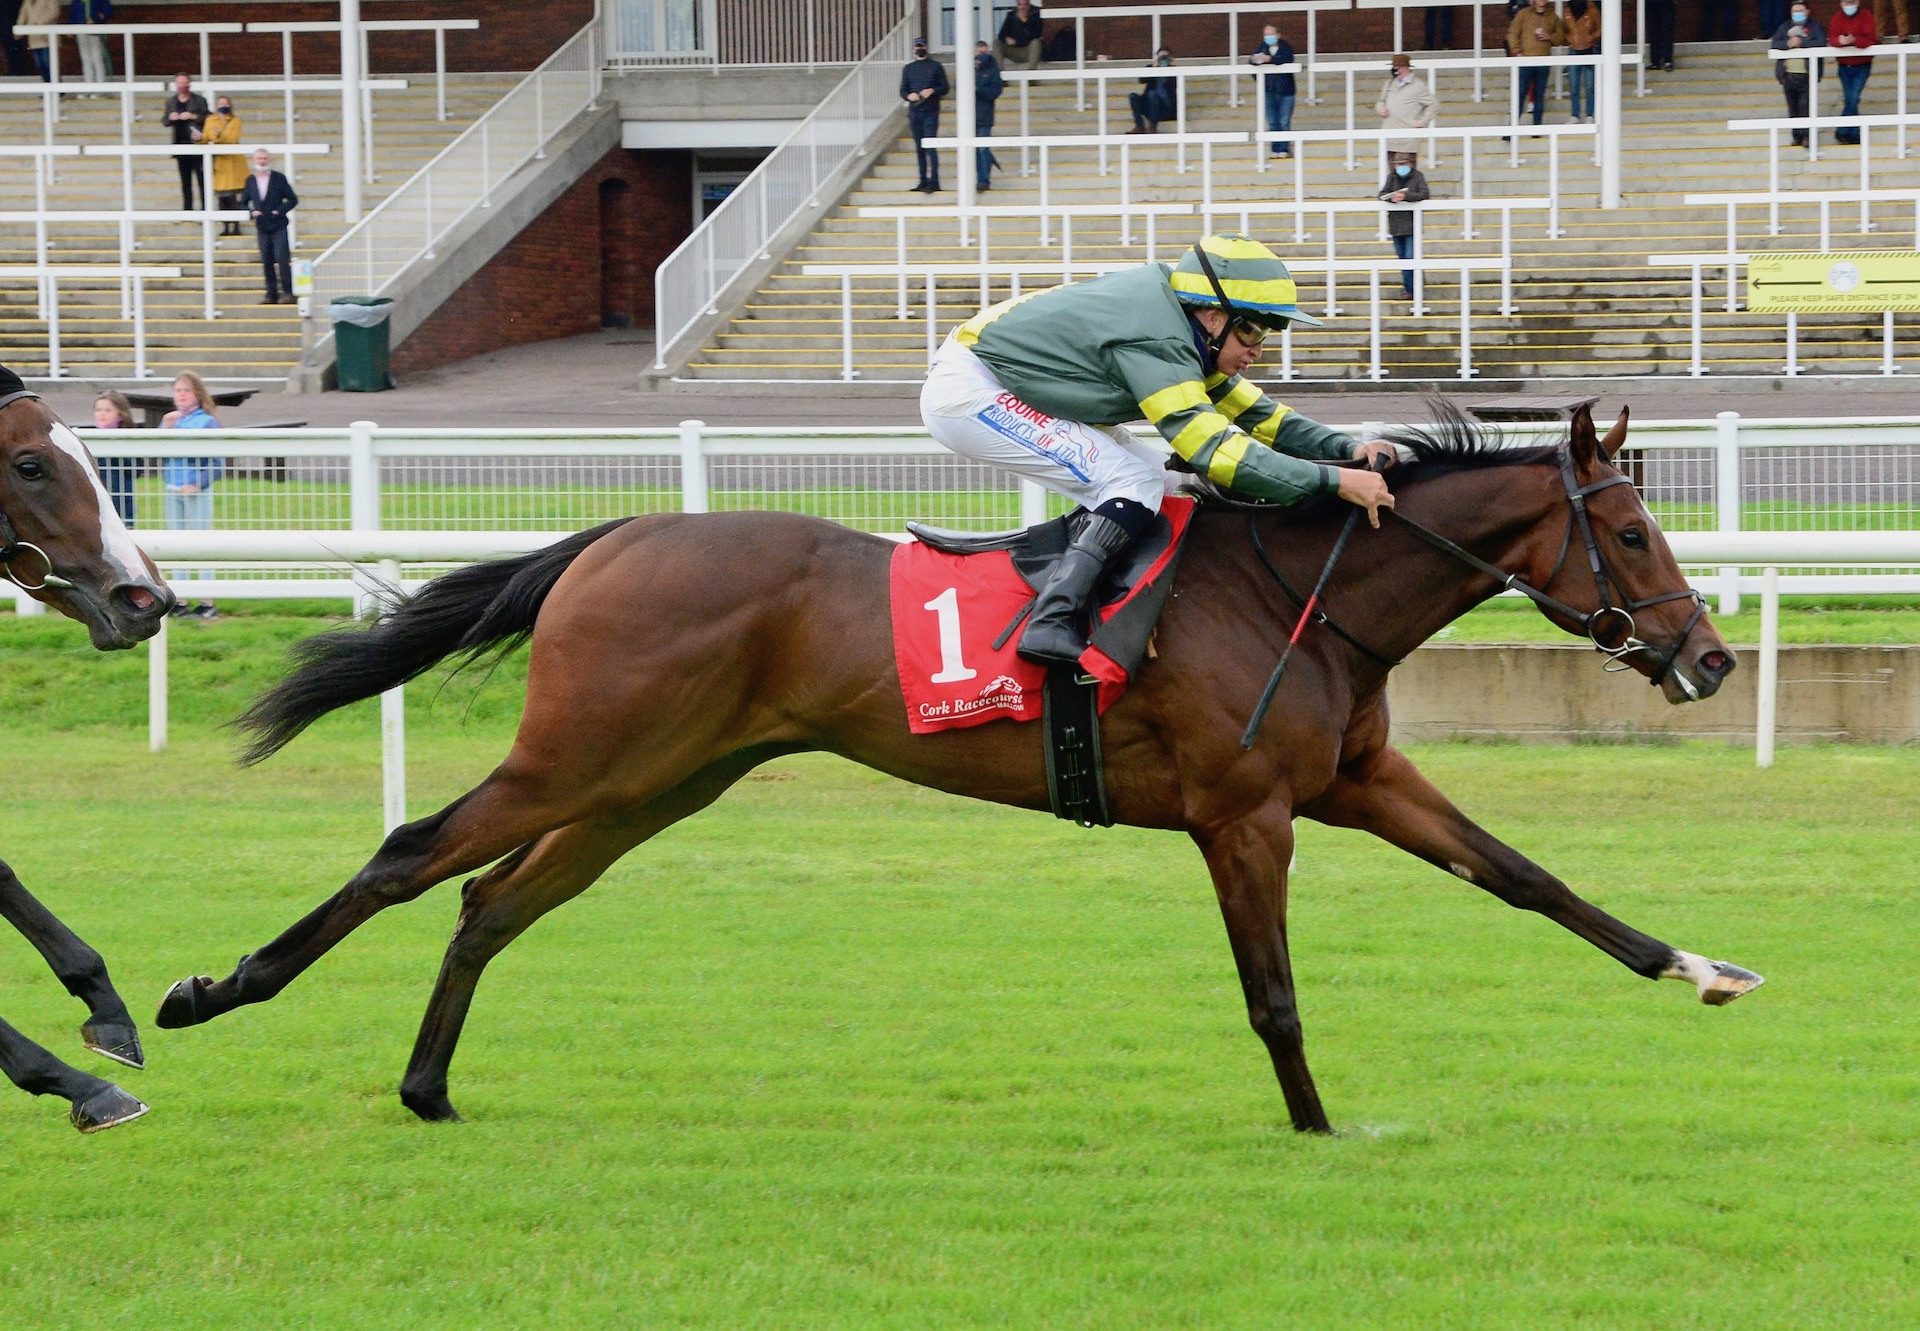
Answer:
[(11, 547), (1605, 582)]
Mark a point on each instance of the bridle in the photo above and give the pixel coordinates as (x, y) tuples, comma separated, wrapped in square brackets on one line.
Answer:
[(1593, 623), (11, 546)]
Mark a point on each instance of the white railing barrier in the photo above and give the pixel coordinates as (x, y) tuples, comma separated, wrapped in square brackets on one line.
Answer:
[(1825, 198), (439, 27), (1815, 55), (1732, 263), (404, 227), (1259, 14), (389, 549), (691, 283), (131, 277)]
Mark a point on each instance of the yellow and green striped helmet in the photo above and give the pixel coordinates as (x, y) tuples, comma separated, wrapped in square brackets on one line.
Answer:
[(1256, 284)]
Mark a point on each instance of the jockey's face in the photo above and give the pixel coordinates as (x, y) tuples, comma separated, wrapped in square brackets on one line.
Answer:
[(1236, 353)]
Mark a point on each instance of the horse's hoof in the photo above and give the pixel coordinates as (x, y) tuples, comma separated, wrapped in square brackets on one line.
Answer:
[(118, 1041), (432, 1106), (1727, 983), (181, 1006), (106, 1108)]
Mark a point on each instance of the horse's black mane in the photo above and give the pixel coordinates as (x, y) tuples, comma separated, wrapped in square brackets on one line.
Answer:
[(1451, 442)]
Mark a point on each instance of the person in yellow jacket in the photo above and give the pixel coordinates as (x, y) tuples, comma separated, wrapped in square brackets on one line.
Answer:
[(229, 169)]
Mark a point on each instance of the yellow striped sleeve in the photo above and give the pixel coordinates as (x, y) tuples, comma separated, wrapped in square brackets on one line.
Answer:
[(1225, 462), (1198, 432), (1182, 396), (1265, 431), (1237, 399)]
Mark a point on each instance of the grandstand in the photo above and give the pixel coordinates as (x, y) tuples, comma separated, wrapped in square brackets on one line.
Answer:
[(620, 172)]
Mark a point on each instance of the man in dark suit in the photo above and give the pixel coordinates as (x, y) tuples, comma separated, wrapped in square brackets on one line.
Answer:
[(269, 197)]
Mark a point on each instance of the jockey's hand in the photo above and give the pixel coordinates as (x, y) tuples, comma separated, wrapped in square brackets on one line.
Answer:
[(1378, 454), (1368, 489)]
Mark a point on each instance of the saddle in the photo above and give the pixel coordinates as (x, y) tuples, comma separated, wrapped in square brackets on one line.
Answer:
[(1000, 573)]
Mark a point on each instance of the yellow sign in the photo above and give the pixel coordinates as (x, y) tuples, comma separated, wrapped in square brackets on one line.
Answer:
[(1844, 282)]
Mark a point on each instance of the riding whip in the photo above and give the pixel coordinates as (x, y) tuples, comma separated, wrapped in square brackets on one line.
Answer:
[(1306, 614)]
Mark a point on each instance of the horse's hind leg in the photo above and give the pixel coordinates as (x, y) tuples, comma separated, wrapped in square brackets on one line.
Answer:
[(96, 1104), (109, 1029), (501, 813), (502, 903)]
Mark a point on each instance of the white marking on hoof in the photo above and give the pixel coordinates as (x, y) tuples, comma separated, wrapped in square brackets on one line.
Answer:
[(1460, 871), (1718, 982)]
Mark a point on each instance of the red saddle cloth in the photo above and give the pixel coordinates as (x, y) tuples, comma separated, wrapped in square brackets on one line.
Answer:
[(948, 609)]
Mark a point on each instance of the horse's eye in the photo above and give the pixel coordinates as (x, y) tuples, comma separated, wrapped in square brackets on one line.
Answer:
[(31, 468), (1633, 538)]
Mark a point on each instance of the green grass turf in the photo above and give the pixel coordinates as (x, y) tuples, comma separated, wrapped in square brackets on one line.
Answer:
[(842, 1052)]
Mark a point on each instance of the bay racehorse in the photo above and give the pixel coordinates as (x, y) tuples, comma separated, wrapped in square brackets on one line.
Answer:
[(62, 542), (671, 654)]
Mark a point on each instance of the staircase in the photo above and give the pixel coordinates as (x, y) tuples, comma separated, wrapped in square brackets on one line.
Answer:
[(247, 340), (1586, 302)]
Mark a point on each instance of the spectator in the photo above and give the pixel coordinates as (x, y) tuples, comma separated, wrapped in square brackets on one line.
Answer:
[(19, 63), (1278, 89), (112, 411), (34, 12), (1439, 26), (1534, 33), (1404, 184), (1405, 103), (1720, 20), (1583, 38), (1797, 33), (1660, 34), (922, 84), (1890, 18), (269, 197), (186, 112), (1020, 39), (189, 481), (1852, 26), (987, 87), (229, 169), (1157, 99), (96, 61)]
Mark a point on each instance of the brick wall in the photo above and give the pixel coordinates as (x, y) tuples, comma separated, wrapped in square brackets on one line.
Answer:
[(513, 35), (549, 280)]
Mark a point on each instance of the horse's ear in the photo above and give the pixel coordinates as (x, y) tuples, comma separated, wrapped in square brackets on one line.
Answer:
[(1585, 444), (1616, 437)]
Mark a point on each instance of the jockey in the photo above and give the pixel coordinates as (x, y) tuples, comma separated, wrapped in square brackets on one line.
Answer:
[(1040, 385)]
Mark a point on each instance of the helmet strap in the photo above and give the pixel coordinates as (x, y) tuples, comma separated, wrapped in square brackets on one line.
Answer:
[(1218, 341)]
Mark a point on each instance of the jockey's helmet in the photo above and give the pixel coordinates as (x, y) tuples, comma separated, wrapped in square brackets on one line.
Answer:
[(1243, 277)]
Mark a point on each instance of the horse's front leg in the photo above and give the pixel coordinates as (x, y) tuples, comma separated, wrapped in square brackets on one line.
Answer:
[(1248, 860), (1383, 793), (109, 1029)]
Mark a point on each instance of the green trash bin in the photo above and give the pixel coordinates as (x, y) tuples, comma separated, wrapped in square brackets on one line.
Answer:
[(360, 342)]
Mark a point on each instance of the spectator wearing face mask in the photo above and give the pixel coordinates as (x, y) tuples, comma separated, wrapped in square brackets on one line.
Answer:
[(987, 87), (1404, 185), (1799, 32), (1157, 99), (1852, 25), (1405, 103), (923, 82), (1279, 90)]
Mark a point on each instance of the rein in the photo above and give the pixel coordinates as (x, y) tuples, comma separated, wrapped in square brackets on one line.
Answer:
[(1591, 622), (11, 546)]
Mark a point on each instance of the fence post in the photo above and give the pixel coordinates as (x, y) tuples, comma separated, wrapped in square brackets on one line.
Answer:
[(693, 468), (1769, 667), (1033, 503), (1726, 490), (393, 736), (157, 690), (363, 493)]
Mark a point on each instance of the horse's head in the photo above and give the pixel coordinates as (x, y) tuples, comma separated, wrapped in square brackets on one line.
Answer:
[(60, 539), (1618, 571)]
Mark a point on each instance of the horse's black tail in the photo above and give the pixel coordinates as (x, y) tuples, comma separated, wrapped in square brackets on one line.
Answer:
[(485, 607)]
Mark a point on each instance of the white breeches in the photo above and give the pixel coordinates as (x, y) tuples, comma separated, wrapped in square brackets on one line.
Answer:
[(966, 408)]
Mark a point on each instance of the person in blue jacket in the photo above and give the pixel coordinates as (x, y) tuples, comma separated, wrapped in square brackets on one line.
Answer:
[(987, 87), (923, 82), (188, 482)]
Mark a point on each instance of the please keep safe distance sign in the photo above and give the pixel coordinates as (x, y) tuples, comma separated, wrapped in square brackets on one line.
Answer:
[(1843, 282)]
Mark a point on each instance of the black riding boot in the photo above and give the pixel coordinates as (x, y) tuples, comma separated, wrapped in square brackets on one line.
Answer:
[(1054, 632)]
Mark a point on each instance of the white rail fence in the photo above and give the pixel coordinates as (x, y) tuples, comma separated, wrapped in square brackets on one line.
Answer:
[(1696, 266), (691, 283), (405, 226)]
